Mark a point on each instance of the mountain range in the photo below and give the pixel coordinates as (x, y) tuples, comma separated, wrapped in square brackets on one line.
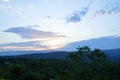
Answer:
[(112, 54), (110, 45), (103, 43)]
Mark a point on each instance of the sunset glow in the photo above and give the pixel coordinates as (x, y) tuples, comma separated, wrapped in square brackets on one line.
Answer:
[(52, 24)]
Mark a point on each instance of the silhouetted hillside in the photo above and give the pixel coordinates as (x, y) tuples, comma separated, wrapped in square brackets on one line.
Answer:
[(51, 55), (112, 54), (109, 42)]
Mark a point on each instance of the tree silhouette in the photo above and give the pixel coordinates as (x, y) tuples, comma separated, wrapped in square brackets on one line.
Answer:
[(85, 61)]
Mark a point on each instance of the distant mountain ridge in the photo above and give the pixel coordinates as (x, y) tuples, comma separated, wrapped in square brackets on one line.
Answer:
[(15, 53), (109, 42), (113, 55), (110, 45)]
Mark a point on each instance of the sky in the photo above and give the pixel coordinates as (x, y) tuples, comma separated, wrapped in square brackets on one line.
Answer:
[(52, 24)]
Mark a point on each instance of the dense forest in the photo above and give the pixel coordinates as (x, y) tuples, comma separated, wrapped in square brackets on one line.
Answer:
[(83, 64)]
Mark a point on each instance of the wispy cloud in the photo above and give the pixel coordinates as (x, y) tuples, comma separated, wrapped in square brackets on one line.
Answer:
[(45, 44), (77, 15), (108, 9), (9, 9), (17, 11), (33, 26), (5, 0), (114, 9), (41, 40), (31, 45), (30, 33), (5, 6)]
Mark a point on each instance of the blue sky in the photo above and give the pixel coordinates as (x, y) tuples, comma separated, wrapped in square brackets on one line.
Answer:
[(51, 24)]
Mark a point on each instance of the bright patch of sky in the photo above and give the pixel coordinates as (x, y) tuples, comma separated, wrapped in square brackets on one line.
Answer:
[(54, 23)]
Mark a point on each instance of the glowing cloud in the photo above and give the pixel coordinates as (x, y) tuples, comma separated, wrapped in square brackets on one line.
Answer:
[(30, 45), (41, 40)]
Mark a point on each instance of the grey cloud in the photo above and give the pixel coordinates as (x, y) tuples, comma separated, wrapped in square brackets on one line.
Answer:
[(74, 18), (31, 33), (22, 46), (113, 10), (5, 6), (33, 26), (5, 1), (100, 12), (78, 15)]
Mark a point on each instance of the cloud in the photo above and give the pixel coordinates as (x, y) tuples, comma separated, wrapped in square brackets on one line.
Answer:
[(23, 44), (33, 26), (17, 11), (30, 33), (5, 0), (74, 18), (9, 9), (112, 10), (78, 15), (46, 44), (31, 45), (5, 6), (42, 40)]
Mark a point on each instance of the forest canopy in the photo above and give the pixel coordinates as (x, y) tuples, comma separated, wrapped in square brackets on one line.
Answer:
[(83, 64)]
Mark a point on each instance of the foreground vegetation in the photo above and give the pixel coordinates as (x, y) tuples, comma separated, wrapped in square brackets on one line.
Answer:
[(84, 64)]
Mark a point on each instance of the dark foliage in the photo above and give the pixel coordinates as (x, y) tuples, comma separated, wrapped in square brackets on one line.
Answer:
[(84, 64)]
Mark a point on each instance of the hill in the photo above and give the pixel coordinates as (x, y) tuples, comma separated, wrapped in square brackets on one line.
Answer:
[(108, 42), (112, 54)]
